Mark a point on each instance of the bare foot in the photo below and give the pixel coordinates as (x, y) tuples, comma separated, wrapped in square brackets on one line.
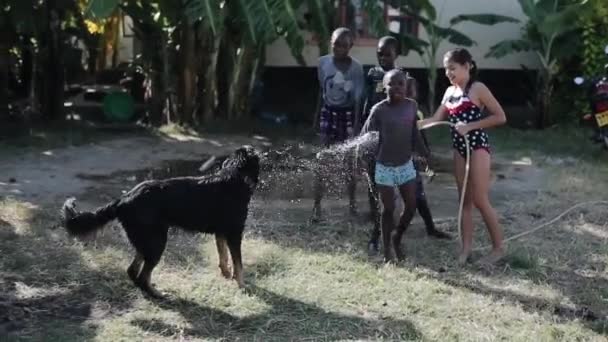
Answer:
[(397, 248), (372, 248), (152, 292), (226, 272), (493, 258), (317, 216), (464, 258), (352, 210), (438, 234)]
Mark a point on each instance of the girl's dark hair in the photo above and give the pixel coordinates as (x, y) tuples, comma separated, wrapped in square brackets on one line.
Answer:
[(463, 56)]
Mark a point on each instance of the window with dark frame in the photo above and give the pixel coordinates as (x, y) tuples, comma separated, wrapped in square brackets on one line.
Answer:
[(352, 15)]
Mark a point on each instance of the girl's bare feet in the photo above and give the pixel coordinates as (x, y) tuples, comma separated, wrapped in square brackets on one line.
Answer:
[(494, 257), (464, 258)]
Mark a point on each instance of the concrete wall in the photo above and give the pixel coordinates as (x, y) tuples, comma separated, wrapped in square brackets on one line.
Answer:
[(126, 41), (278, 53)]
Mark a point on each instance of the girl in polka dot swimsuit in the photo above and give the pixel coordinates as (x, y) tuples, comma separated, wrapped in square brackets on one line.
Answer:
[(462, 109), (462, 105)]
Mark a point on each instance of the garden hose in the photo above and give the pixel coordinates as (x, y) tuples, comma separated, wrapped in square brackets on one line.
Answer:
[(464, 188)]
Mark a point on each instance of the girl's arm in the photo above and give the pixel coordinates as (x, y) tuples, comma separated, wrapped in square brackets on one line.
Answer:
[(419, 144), (441, 113), (497, 115)]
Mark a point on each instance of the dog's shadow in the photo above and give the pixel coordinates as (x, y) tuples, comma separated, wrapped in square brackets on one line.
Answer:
[(286, 319)]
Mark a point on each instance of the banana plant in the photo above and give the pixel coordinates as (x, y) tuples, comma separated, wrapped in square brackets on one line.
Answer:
[(39, 27), (550, 34), (242, 29)]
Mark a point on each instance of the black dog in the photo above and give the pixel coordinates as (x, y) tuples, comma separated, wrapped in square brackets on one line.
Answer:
[(215, 204)]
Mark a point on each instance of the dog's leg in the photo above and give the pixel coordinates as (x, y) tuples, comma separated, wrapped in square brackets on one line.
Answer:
[(234, 244), (351, 183), (222, 253), (318, 189), (135, 267), (152, 249), (374, 208)]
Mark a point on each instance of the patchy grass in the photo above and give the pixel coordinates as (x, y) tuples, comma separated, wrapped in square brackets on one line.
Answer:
[(316, 282), (308, 282)]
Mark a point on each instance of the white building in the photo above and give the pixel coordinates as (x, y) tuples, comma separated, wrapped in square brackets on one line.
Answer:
[(279, 55)]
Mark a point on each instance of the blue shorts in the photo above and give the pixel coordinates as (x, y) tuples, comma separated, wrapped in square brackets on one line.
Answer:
[(395, 175)]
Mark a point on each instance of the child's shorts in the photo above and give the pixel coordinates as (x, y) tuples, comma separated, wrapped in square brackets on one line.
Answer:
[(334, 123), (395, 175)]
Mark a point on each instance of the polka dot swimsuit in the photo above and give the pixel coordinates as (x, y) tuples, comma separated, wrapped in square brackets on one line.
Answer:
[(462, 109)]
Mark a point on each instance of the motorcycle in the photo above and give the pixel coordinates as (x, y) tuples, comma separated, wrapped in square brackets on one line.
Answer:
[(597, 93)]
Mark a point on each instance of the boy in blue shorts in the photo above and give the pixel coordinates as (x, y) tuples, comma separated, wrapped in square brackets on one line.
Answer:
[(395, 120), (387, 52)]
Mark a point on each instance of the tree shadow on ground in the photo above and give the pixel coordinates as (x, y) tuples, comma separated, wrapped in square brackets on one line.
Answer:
[(47, 292), (562, 259), (286, 319), (565, 271)]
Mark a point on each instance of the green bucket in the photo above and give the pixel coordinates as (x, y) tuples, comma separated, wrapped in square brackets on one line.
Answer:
[(118, 106)]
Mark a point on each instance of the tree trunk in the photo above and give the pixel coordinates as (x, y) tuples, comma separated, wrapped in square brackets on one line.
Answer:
[(116, 22), (431, 94), (543, 101), (4, 71), (227, 60), (209, 91), (243, 78), (188, 68), (54, 78), (33, 94), (166, 90)]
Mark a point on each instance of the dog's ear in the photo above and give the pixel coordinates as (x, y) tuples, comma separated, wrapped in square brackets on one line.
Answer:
[(245, 151)]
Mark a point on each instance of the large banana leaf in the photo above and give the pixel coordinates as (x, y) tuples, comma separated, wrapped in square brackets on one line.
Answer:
[(375, 12), (319, 17), (208, 11), (416, 6), (483, 19), (287, 26), (454, 36), (530, 10), (410, 42), (507, 47), (560, 21)]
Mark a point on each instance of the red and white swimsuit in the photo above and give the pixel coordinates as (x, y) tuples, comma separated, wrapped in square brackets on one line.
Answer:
[(462, 109)]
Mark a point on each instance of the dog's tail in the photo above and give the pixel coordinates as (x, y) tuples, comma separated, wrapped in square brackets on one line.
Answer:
[(82, 223)]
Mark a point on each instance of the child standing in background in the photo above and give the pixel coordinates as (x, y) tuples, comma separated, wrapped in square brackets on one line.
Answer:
[(341, 82)]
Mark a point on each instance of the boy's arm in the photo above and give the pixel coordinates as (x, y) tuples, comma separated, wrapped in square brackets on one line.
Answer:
[(419, 143), (367, 94), (372, 122), (425, 141), (359, 81), (320, 78)]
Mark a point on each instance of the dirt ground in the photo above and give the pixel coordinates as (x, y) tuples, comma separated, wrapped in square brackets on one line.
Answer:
[(95, 173), (52, 175)]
